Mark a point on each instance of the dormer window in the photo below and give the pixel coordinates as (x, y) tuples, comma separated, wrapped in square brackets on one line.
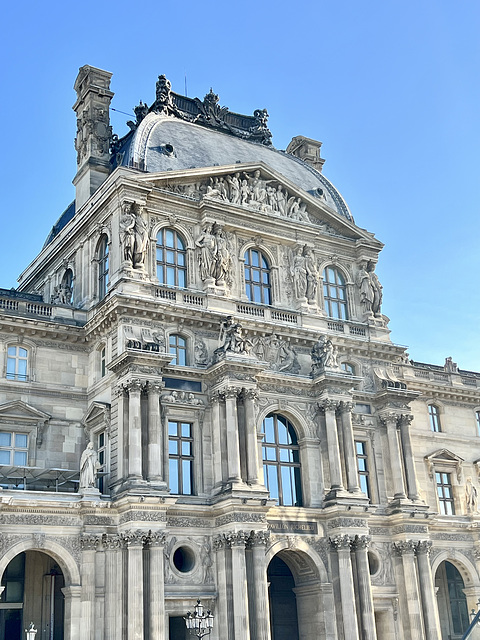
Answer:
[(171, 258), (335, 293)]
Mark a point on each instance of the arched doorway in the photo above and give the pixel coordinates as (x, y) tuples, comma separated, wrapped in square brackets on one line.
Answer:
[(452, 602), (283, 602), (31, 592)]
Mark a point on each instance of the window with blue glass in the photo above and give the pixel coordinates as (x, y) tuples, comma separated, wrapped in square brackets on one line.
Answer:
[(177, 346), (335, 293), (17, 363), (281, 461), (103, 267), (171, 259), (180, 454), (257, 277), (13, 449), (362, 466)]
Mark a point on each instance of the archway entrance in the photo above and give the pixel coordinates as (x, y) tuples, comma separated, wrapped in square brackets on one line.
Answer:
[(452, 602), (283, 602), (31, 592)]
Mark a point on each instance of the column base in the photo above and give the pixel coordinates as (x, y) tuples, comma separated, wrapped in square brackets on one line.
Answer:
[(342, 497), (403, 504)]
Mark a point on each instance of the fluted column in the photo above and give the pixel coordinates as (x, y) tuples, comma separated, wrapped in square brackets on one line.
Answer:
[(155, 433), (72, 616), (113, 593), (233, 447), (342, 544), (427, 590), (329, 407), (215, 400), (345, 409), (237, 542), (249, 397), (156, 623), (367, 615), (406, 549), (88, 544), (390, 421), (408, 459), (257, 542), (134, 388), (134, 543), (223, 621)]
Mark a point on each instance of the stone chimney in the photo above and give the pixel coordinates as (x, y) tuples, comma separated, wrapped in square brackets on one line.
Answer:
[(94, 132), (308, 150)]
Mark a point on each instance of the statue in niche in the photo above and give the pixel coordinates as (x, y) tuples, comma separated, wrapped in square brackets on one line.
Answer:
[(200, 352), (89, 466), (312, 275), (470, 496), (214, 257), (134, 235), (127, 236), (140, 241), (222, 269), (299, 274), (324, 355), (207, 561), (232, 338)]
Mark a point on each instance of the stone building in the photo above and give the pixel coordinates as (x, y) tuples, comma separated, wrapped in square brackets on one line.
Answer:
[(199, 398)]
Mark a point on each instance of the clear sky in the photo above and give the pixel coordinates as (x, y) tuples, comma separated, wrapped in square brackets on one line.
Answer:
[(391, 88)]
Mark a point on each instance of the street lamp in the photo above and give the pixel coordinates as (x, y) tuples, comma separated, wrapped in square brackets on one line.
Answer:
[(199, 623)]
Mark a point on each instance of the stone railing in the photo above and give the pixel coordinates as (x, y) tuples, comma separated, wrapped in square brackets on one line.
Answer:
[(35, 309), (179, 296)]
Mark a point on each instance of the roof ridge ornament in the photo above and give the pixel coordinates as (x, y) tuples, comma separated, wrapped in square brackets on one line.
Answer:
[(206, 112)]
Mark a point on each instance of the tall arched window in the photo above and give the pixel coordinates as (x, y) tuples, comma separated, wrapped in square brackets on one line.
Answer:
[(335, 293), (281, 461), (103, 260), (257, 277), (177, 345), (171, 258), (434, 415)]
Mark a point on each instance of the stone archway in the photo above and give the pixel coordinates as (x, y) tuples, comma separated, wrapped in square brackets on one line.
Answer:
[(301, 603), (452, 601)]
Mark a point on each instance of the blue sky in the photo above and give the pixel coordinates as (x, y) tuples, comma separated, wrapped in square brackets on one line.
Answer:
[(391, 89)]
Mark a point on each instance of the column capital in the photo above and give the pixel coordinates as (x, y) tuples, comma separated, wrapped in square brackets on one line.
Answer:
[(250, 394), (327, 404), (133, 386), (405, 419), (155, 387), (389, 418), (424, 547), (134, 538), (89, 542), (156, 538), (215, 397), (345, 406), (237, 539), (258, 538), (404, 547), (111, 542), (341, 543), (219, 542), (361, 542), (230, 392)]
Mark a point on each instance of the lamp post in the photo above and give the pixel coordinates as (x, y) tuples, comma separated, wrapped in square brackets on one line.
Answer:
[(199, 623), (31, 632)]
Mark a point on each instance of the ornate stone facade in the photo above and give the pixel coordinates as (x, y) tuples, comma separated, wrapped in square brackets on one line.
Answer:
[(199, 397)]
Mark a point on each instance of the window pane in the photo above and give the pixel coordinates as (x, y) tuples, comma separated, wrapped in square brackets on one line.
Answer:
[(170, 257), (255, 261), (22, 368), (4, 456), (287, 486), (268, 429), (169, 241), (186, 430), (5, 439), (181, 358), (270, 453), (186, 448), (181, 259), (11, 367), (21, 440), (172, 429), (171, 276), (272, 481), (12, 351), (187, 477), (20, 458), (173, 472), (173, 447)]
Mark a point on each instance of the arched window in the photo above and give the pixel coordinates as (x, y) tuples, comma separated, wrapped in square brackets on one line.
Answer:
[(257, 277), (335, 293), (452, 602), (281, 461), (17, 363), (171, 259), (177, 345), (103, 260), (434, 415)]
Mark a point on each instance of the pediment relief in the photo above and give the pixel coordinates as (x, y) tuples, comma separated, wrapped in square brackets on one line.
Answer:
[(98, 413), (22, 412), (259, 189)]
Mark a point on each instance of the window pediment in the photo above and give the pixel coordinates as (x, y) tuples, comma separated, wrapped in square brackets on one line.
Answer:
[(444, 459), (97, 414), (22, 412)]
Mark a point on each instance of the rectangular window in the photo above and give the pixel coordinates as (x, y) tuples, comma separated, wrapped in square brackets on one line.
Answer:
[(180, 453), (13, 449), (103, 366), (477, 416), (362, 466), (102, 458), (17, 359), (445, 493)]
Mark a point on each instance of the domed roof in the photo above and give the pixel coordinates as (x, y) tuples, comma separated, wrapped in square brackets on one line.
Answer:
[(165, 143)]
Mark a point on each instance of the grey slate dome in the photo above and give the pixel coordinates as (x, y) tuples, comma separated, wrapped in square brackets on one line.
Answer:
[(165, 143)]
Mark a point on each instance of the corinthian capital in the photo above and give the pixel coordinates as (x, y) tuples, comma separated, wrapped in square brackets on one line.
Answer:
[(361, 542), (345, 406), (156, 538), (405, 419), (404, 547), (89, 542), (155, 387), (237, 539), (250, 394), (219, 543), (424, 546), (231, 392), (258, 538), (340, 543), (133, 386), (389, 418), (328, 405), (134, 538), (111, 542)]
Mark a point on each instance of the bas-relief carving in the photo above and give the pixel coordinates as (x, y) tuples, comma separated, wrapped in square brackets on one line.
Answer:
[(144, 338), (277, 352), (133, 235), (181, 397), (37, 519), (200, 352), (142, 516), (385, 574), (176, 521), (240, 517), (232, 339)]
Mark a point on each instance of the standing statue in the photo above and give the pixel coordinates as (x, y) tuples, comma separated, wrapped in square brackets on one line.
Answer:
[(127, 236), (140, 241), (312, 275), (367, 293), (324, 355), (232, 338), (88, 467), (222, 257), (206, 256), (299, 274), (470, 496), (377, 289), (234, 184)]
